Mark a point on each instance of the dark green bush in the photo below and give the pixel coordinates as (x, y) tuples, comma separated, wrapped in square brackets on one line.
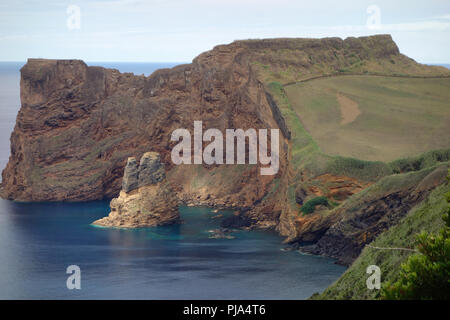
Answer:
[(310, 205), (425, 276)]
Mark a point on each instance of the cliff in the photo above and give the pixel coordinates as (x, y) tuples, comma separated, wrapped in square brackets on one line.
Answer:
[(78, 124), (357, 222), (146, 199)]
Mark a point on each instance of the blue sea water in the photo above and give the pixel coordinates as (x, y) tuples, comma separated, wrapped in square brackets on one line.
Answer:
[(138, 68), (39, 240), (9, 105)]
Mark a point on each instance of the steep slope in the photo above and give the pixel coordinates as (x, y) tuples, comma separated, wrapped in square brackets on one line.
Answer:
[(365, 215), (78, 124), (427, 216)]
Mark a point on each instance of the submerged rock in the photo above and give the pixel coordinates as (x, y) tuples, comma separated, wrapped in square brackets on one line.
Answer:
[(146, 198), (221, 234), (236, 221)]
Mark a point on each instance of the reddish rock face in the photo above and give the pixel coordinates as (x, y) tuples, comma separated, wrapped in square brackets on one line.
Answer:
[(79, 124)]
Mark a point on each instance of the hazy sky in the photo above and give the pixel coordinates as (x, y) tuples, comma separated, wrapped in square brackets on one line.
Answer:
[(176, 30)]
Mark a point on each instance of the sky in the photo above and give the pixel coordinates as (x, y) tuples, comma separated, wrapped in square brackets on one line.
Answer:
[(179, 30)]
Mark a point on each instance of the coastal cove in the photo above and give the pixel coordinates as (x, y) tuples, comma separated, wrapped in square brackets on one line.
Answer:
[(100, 134), (40, 240)]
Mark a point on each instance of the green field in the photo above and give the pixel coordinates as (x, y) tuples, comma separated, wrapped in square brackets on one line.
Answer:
[(375, 118)]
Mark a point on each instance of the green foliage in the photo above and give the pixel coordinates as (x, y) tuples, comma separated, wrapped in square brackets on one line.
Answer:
[(426, 276), (360, 169), (394, 117), (424, 160), (310, 205), (424, 217), (307, 156)]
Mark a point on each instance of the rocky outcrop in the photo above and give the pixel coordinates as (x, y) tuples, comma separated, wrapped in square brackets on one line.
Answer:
[(130, 175), (146, 199), (78, 125), (151, 171)]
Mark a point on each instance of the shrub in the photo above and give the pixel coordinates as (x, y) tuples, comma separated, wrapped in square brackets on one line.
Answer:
[(310, 205), (425, 276)]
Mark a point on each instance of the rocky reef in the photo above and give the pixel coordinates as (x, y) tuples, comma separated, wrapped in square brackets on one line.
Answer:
[(146, 199)]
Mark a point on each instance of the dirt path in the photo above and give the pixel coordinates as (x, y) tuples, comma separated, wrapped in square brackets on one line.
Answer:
[(349, 109)]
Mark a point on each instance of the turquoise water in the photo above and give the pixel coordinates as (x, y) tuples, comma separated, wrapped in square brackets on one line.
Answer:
[(39, 240)]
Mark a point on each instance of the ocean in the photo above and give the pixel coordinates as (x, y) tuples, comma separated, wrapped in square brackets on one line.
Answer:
[(38, 241)]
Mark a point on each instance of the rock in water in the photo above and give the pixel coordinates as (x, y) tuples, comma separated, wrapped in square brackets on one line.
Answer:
[(146, 198)]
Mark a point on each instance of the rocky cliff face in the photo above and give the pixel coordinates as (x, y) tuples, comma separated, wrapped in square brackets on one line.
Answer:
[(78, 124), (344, 233), (146, 198)]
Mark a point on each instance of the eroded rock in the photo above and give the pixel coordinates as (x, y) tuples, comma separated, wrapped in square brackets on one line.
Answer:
[(151, 170), (130, 175), (146, 198), (345, 231)]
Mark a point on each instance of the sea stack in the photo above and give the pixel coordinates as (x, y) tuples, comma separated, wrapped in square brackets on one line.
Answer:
[(146, 198)]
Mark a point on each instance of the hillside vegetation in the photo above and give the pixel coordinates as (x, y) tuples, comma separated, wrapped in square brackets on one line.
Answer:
[(355, 122), (372, 117), (425, 217)]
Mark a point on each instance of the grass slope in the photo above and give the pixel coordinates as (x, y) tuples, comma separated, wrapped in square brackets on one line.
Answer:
[(307, 154), (391, 117), (427, 216)]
